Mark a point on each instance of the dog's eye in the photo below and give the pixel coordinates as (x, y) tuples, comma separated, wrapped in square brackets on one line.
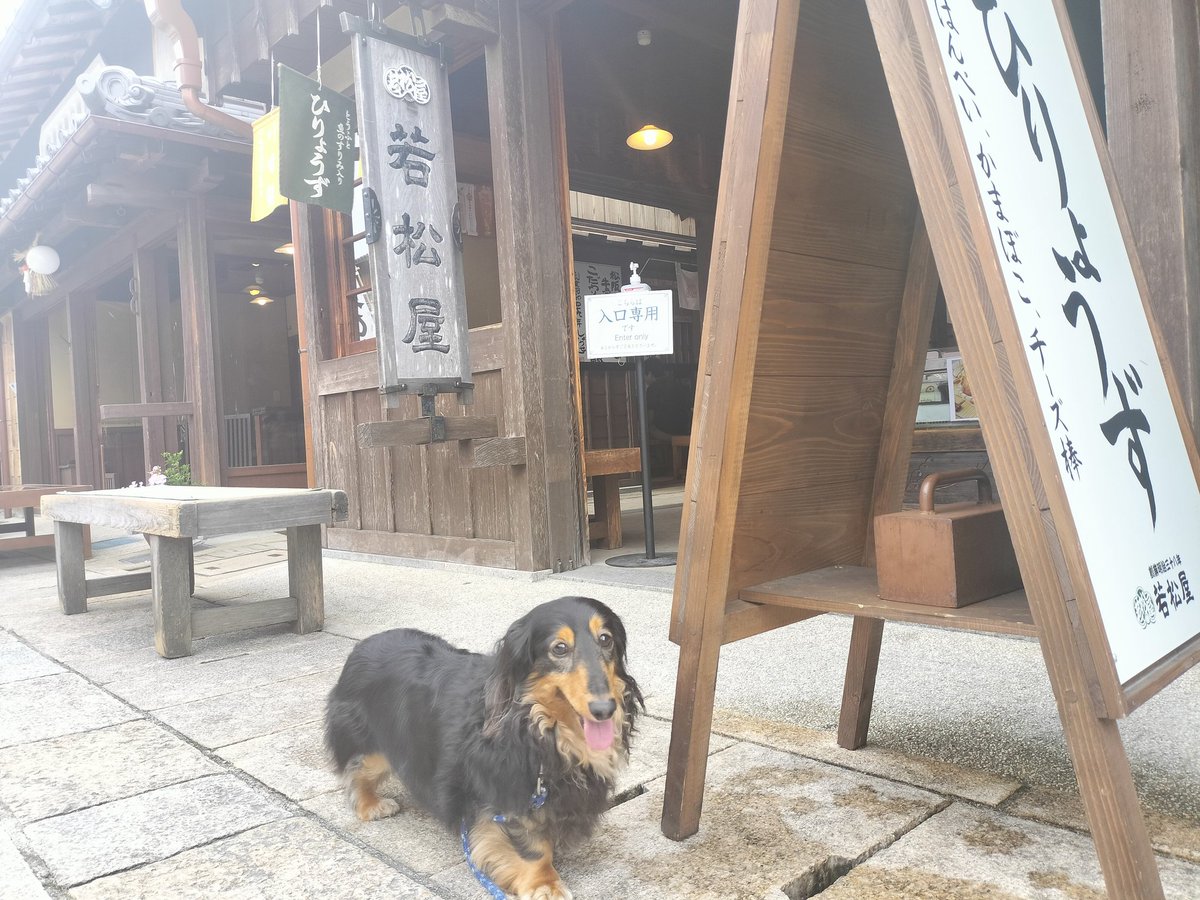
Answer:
[(605, 639), (560, 648)]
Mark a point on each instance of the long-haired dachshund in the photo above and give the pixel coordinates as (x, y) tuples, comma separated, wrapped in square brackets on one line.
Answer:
[(520, 747)]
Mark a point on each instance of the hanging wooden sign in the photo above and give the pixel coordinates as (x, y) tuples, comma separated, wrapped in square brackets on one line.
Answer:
[(316, 143), (411, 198)]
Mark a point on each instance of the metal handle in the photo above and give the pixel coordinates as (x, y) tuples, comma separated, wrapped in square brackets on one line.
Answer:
[(932, 482)]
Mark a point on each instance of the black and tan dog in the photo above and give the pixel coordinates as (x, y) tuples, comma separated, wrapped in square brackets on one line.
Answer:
[(520, 747)]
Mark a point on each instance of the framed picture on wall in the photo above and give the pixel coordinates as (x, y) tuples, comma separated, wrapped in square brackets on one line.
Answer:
[(962, 406)]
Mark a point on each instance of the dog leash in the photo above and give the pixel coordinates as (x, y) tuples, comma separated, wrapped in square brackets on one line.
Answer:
[(488, 885), (537, 801)]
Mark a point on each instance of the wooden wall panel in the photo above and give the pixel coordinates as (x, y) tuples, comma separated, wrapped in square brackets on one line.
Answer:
[(812, 431), (341, 453), (374, 469), (844, 313), (410, 481), (800, 529), (489, 487)]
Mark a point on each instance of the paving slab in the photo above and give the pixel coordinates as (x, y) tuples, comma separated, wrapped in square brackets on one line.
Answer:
[(54, 705), (100, 840), (294, 859), (771, 821), (19, 662), (972, 852), (648, 758), (58, 775), (942, 777), (18, 881), (412, 838), (110, 659), (242, 715), (1168, 834), (175, 685), (293, 761)]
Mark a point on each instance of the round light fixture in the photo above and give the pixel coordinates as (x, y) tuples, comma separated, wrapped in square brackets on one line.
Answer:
[(261, 300), (42, 259), (649, 137)]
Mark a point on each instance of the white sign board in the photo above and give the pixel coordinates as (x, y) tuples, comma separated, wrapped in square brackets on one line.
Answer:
[(1122, 461), (631, 323)]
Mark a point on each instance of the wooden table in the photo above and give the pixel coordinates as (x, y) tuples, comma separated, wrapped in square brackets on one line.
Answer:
[(28, 497), (170, 517)]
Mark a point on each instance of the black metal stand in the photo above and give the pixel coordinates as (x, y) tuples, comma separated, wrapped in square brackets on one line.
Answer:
[(649, 559)]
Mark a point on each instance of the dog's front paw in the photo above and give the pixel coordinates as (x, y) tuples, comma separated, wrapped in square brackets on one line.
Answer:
[(381, 808), (555, 891)]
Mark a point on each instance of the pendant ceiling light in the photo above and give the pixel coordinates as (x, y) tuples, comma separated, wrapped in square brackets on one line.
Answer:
[(649, 137)]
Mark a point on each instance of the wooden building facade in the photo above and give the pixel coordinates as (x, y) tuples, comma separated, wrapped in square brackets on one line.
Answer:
[(148, 207)]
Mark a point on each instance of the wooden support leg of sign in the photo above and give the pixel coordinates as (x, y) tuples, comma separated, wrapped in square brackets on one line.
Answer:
[(762, 59)]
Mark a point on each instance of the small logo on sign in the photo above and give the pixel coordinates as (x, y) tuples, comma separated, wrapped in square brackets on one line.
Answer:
[(405, 84), (1143, 608)]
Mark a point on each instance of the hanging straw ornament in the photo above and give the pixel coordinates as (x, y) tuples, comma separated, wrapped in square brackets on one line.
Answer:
[(38, 265)]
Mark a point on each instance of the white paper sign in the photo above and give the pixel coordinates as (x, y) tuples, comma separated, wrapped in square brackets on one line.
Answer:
[(632, 323), (1122, 460)]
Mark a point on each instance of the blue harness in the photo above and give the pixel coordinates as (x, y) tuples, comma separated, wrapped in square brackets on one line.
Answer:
[(537, 801)]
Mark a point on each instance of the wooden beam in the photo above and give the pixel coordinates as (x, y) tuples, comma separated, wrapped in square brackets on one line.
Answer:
[(200, 344), (409, 432), (1151, 67), (81, 319), (488, 452), (31, 353), (146, 410), (150, 296), (683, 25), (119, 195), (547, 512), (460, 24)]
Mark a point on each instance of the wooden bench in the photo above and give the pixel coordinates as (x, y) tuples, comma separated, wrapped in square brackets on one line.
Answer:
[(170, 518), (28, 497), (606, 468)]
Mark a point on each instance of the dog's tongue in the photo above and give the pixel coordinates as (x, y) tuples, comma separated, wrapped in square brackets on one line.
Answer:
[(599, 735)]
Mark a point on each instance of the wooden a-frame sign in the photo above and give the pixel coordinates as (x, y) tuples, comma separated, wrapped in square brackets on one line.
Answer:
[(865, 141)]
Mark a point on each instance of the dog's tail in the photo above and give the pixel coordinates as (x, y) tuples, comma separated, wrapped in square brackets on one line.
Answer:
[(347, 733)]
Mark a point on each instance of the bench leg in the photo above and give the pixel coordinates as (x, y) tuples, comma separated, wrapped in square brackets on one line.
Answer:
[(68, 562), (305, 578), (170, 570), (606, 491), (858, 692), (29, 528)]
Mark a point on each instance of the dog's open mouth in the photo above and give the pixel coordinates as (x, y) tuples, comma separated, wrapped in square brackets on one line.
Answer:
[(599, 735)]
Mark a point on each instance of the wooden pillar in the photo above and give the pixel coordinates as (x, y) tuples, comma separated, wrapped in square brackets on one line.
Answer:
[(309, 267), (199, 344), (81, 326), (1151, 68), (151, 287), (31, 361), (531, 224)]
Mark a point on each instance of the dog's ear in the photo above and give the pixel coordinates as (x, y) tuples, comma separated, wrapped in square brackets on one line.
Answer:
[(513, 663)]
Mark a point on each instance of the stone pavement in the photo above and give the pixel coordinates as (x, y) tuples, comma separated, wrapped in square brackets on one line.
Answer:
[(125, 775)]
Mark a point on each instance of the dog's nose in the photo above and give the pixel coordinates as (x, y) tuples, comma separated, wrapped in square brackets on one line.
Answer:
[(602, 709)]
